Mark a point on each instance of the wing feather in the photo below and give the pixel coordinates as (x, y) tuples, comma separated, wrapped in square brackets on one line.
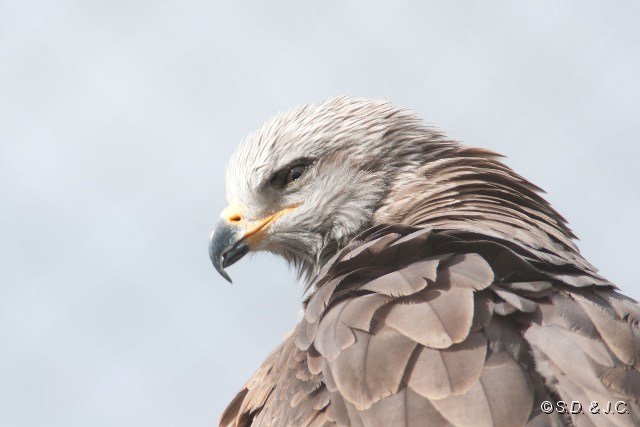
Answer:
[(406, 326)]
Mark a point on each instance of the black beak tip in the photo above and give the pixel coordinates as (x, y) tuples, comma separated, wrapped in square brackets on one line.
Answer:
[(216, 260), (226, 247), (225, 275)]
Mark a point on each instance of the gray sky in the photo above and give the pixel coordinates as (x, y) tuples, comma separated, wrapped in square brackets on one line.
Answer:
[(116, 121)]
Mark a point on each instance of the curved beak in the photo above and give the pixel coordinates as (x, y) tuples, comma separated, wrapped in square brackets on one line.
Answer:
[(232, 237), (226, 246)]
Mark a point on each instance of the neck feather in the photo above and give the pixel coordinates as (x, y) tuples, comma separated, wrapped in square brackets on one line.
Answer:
[(469, 188)]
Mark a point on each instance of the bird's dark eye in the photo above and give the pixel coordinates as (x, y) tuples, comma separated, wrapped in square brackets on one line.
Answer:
[(295, 173)]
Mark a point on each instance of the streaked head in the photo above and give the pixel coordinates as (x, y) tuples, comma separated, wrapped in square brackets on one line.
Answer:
[(308, 180)]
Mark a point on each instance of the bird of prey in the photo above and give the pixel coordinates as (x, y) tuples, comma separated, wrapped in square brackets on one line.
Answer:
[(441, 287)]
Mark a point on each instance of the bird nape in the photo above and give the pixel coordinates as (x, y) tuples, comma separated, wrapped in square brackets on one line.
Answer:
[(442, 289)]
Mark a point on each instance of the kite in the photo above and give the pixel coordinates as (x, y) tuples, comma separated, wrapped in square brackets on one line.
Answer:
[(441, 287)]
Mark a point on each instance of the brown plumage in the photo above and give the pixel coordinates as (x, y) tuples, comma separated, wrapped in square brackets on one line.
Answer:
[(462, 301)]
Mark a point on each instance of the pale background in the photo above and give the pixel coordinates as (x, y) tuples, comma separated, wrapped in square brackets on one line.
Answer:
[(116, 121)]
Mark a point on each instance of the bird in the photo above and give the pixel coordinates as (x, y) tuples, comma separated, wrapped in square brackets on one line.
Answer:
[(440, 287)]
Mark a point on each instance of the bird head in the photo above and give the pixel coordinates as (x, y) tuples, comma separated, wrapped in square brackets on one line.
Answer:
[(311, 179), (308, 180)]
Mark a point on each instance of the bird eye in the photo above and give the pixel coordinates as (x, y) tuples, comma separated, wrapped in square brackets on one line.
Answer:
[(295, 173)]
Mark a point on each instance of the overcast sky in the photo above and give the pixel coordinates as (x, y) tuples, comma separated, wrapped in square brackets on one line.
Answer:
[(117, 119)]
